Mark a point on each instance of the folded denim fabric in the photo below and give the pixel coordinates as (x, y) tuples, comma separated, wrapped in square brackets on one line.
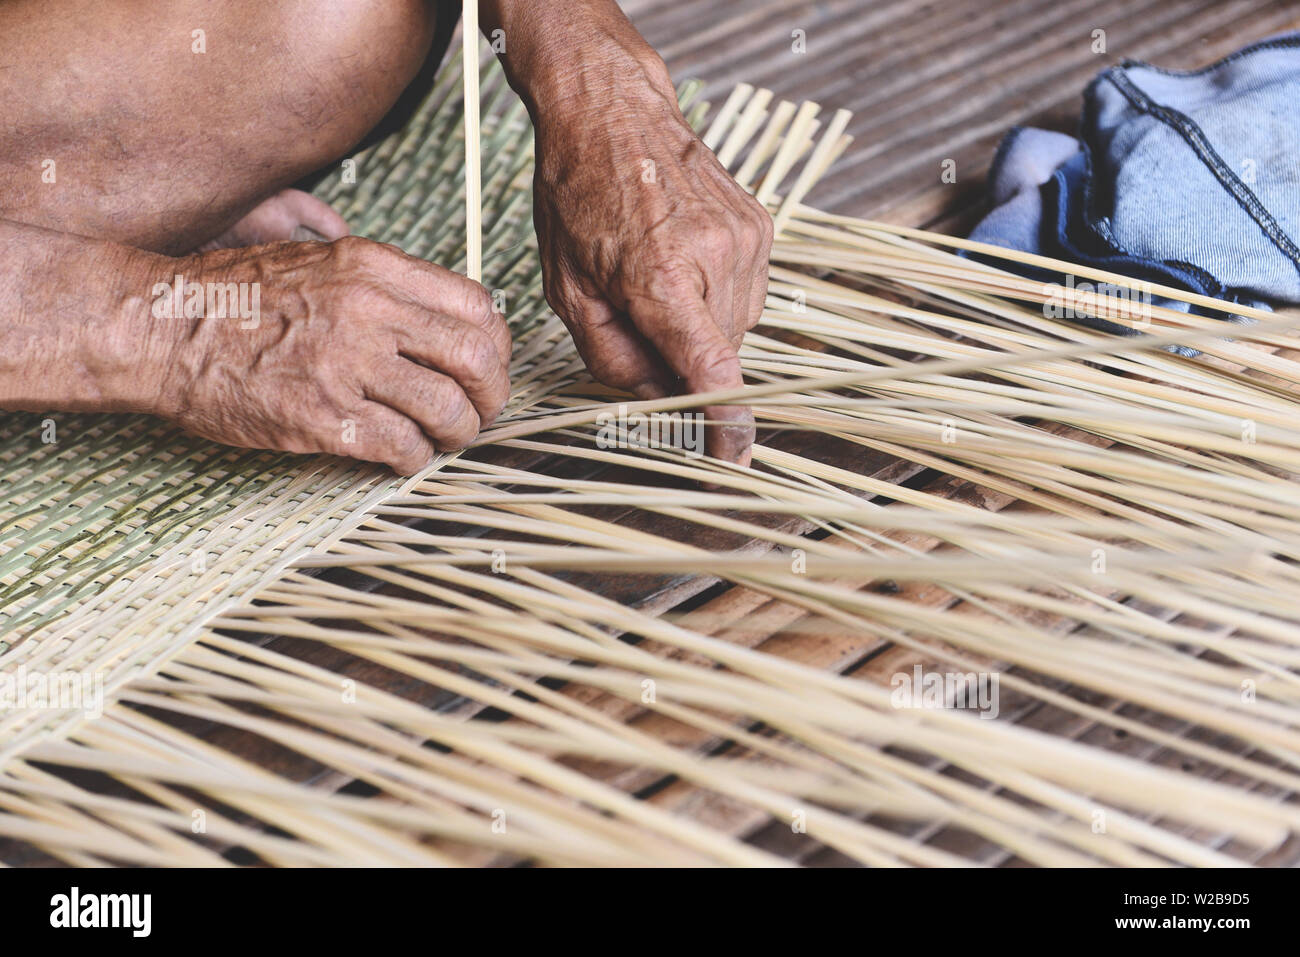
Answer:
[(1026, 159), (1190, 179)]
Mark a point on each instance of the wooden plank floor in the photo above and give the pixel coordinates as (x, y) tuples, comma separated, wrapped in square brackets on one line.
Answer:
[(931, 81), (927, 81)]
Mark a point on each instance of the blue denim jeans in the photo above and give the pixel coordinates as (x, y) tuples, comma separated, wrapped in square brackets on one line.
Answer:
[(1190, 179)]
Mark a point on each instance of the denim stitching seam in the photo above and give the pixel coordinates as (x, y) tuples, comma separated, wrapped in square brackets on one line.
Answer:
[(1202, 147)]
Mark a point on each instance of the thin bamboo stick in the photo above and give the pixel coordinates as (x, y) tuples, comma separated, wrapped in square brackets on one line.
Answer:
[(473, 162)]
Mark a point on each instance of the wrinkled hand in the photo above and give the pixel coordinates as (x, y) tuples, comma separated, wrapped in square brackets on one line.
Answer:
[(652, 255), (359, 350)]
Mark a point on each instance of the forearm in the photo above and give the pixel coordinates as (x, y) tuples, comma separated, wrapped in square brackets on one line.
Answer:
[(571, 58), (76, 331)]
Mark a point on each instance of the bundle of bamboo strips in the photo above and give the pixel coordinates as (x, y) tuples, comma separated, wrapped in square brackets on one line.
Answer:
[(547, 650)]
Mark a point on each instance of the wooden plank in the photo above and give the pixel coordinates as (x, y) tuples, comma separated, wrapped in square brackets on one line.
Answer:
[(929, 82), (978, 69)]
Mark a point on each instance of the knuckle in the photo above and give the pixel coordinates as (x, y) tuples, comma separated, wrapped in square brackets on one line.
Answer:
[(349, 248), (410, 442), (718, 237), (451, 402), (480, 306), (503, 342), (397, 439), (718, 363), (609, 364), (461, 423), (355, 252), (469, 301), (333, 441), (460, 436), (406, 460), (619, 373), (497, 327), (623, 377), (477, 355), (497, 394)]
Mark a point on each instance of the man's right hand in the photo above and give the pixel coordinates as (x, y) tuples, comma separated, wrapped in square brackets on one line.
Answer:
[(358, 350)]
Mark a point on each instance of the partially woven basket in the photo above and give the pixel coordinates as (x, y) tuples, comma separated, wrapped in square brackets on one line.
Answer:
[(545, 650)]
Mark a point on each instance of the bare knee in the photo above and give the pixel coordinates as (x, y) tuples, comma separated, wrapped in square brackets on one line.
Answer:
[(178, 118), (341, 66)]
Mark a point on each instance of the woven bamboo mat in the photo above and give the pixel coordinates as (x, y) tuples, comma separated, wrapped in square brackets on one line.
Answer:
[(928, 82), (100, 518)]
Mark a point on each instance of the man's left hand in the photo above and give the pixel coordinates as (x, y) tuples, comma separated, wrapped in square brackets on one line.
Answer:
[(652, 255)]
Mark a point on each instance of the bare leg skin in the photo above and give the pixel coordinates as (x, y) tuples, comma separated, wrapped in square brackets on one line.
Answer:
[(154, 145)]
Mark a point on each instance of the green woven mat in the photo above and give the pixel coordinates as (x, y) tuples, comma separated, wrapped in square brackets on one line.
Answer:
[(125, 523)]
